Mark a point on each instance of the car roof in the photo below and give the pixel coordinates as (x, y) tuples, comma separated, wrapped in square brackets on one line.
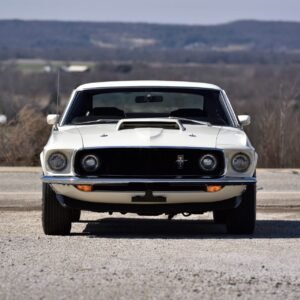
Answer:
[(146, 83)]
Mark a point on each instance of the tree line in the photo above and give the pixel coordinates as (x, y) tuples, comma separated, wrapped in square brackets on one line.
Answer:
[(269, 93)]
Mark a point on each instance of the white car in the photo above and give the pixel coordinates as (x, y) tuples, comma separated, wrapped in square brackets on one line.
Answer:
[(151, 148)]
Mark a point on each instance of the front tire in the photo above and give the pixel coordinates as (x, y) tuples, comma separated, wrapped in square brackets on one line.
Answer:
[(241, 220), (56, 220)]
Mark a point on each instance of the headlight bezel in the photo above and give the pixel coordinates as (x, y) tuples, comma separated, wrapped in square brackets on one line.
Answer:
[(57, 169), (85, 158), (240, 170), (211, 156)]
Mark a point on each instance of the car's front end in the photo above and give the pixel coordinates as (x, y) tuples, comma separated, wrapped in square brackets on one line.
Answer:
[(157, 162)]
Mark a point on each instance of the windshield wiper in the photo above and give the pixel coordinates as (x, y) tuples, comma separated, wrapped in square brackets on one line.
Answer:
[(98, 121), (190, 120)]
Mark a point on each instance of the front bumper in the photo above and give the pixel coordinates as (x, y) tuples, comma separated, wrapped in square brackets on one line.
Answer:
[(223, 181), (134, 191)]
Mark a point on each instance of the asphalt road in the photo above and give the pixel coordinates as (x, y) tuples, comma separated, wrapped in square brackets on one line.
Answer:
[(149, 258), (130, 257)]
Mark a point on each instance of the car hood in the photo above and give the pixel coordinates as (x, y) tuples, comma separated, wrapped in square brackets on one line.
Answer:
[(106, 135)]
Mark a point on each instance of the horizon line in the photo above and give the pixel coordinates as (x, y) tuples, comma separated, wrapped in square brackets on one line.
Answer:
[(146, 22)]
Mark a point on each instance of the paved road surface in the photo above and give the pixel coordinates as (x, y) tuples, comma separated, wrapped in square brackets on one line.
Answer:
[(149, 258), (127, 257), (21, 187)]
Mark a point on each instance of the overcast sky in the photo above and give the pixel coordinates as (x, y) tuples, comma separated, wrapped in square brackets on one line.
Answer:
[(158, 11)]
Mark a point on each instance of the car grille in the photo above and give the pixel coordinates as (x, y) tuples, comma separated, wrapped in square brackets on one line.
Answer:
[(149, 162)]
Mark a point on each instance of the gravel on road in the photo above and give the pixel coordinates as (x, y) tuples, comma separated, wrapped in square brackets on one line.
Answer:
[(129, 257)]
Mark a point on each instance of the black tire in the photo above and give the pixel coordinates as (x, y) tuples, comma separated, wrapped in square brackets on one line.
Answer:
[(220, 216), (56, 220), (75, 215), (241, 220)]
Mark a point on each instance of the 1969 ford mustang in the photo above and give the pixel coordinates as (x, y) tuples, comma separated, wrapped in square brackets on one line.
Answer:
[(151, 148)]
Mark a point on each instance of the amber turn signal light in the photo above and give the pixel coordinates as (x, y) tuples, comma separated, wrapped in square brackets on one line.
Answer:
[(84, 188), (213, 188)]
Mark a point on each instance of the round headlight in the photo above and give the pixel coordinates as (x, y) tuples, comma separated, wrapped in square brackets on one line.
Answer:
[(90, 163), (240, 162), (57, 161), (208, 162)]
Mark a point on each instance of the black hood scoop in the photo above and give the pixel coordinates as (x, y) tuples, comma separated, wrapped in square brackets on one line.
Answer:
[(149, 123)]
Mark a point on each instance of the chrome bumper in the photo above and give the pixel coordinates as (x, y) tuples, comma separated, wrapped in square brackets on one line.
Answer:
[(124, 181)]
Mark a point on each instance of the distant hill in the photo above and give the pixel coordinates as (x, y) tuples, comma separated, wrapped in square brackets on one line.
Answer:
[(249, 40)]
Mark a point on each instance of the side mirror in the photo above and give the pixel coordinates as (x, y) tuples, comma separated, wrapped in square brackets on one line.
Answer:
[(244, 120), (52, 119), (3, 119)]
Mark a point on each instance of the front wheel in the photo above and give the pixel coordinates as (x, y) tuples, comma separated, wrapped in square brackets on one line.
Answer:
[(56, 219), (241, 220)]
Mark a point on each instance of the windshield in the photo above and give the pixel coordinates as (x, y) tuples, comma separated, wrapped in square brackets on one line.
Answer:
[(109, 106)]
